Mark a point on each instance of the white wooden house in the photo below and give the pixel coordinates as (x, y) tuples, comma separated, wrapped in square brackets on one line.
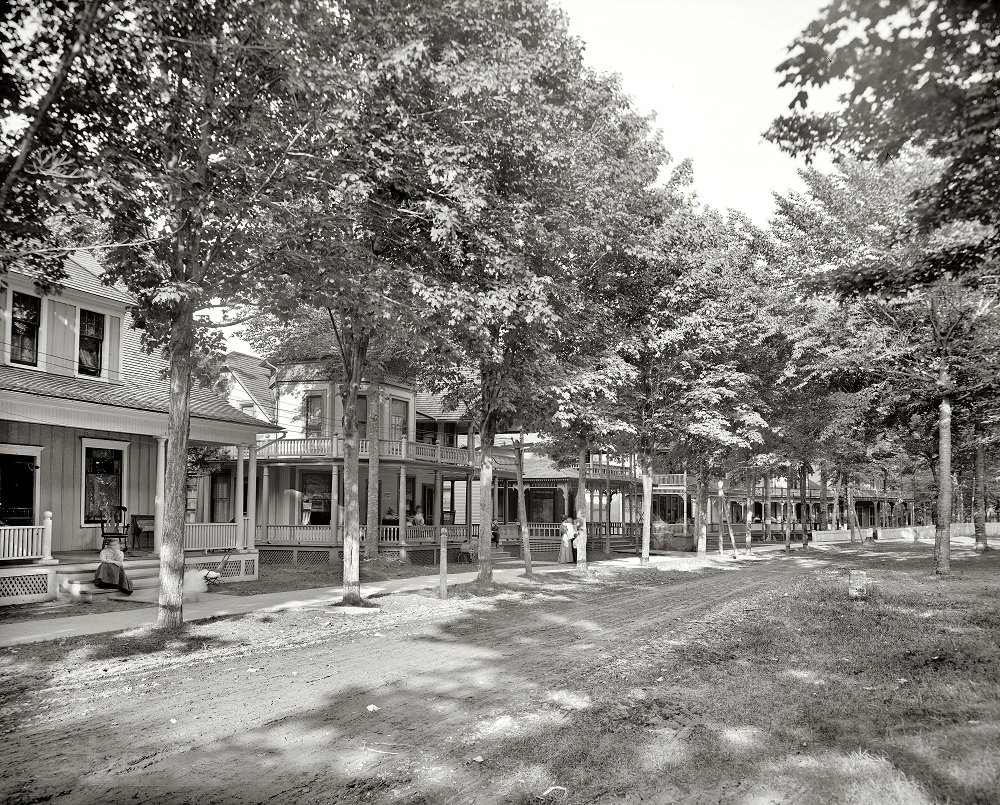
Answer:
[(83, 418)]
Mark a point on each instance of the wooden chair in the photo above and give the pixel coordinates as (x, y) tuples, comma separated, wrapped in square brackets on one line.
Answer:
[(115, 526)]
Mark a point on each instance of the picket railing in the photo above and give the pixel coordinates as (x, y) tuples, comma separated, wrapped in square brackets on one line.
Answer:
[(27, 541), (209, 536), (21, 542)]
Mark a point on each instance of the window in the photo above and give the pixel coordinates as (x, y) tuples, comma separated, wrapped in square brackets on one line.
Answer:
[(246, 408), (399, 419), (314, 415), (103, 472), (26, 315), (91, 343)]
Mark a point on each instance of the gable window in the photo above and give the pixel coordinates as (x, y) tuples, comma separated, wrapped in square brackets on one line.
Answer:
[(103, 478), (246, 408), (26, 316), (314, 415), (399, 419), (91, 343)]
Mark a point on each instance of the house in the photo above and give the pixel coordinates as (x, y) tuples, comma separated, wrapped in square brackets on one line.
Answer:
[(83, 419)]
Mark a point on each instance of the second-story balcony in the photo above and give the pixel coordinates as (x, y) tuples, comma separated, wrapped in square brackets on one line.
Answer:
[(332, 448)]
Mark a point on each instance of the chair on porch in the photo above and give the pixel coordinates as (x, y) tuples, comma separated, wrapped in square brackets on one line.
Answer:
[(114, 526)]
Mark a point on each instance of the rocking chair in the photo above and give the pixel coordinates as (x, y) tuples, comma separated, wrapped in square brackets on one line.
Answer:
[(114, 526)]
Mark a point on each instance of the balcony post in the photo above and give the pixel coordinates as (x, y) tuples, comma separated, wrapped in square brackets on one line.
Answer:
[(239, 497), (159, 493), (252, 502), (334, 504), (265, 493)]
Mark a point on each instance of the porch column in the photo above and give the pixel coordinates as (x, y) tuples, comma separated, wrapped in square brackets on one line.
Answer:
[(402, 499), (265, 493), (251, 536), (159, 493), (334, 504), (468, 503), (438, 496), (239, 497), (496, 498)]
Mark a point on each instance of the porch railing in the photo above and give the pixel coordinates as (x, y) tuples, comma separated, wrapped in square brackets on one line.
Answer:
[(21, 542), (387, 534), (209, 536), (27, 541)]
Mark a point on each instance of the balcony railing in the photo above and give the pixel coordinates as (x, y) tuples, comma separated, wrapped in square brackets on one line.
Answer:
[(332, 447)]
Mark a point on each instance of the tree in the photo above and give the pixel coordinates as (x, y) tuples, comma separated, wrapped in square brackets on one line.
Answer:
[(938, 340), (918, 72), (193, 110)]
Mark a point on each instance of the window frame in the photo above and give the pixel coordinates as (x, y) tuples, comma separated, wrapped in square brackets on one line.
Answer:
[(316, 431), (102, 355), (101, 444), (40, 340)]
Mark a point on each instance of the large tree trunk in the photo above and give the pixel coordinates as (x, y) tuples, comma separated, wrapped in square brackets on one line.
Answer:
[(979, 513), (352, 509), (768, 533), (724, 518), (942, 533), (374, 456), (647, 506), (180, 348), (701, 513), (486, 508), (804, 503), (852, 513), (581, 513), (522, 511), (823, 500)]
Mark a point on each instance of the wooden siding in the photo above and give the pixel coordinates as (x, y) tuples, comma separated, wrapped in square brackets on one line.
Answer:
[(61, 359), (114, 336), (61, 469)]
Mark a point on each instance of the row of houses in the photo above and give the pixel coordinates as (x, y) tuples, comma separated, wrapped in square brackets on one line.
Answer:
[(83, 419)]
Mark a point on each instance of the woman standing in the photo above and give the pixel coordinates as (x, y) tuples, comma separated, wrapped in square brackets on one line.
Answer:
[(567, 533)]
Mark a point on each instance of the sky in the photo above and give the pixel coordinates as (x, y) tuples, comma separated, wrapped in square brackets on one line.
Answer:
[(706, 68)]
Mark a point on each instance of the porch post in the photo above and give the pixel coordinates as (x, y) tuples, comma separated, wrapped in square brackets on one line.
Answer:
[(159, 493), (265, 493), (47, 538), (239, 497), (402, 499), (438, 496), (334, 504), (251, 535), (468, 503)]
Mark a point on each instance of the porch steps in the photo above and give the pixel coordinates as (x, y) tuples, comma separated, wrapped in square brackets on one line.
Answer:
[(76, 580)]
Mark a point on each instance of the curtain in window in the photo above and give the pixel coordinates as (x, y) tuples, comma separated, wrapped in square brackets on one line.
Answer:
[(26, 314), (91, 342)]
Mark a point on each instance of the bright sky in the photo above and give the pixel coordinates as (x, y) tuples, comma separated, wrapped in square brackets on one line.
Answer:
[(706, 68)]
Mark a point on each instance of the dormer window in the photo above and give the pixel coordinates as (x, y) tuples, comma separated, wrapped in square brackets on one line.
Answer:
[(26, 315), (91, 343)]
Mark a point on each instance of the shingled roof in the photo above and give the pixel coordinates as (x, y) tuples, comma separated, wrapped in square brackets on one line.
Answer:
[(252, 373), (144, 385)]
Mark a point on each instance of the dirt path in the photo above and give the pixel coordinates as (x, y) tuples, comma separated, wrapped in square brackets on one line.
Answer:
[(281, 707)]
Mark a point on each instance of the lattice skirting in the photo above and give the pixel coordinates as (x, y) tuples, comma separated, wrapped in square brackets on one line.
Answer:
[(25, 585), (281, 555), (238, 567)]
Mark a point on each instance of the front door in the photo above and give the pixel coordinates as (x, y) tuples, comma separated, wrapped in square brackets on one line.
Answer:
[(17, 490)]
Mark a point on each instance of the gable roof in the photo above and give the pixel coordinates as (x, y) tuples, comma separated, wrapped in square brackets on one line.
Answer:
[(432, 407), (254, 376)]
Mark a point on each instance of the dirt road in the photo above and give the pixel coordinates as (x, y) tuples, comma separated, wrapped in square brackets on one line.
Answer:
[(420, 701)]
